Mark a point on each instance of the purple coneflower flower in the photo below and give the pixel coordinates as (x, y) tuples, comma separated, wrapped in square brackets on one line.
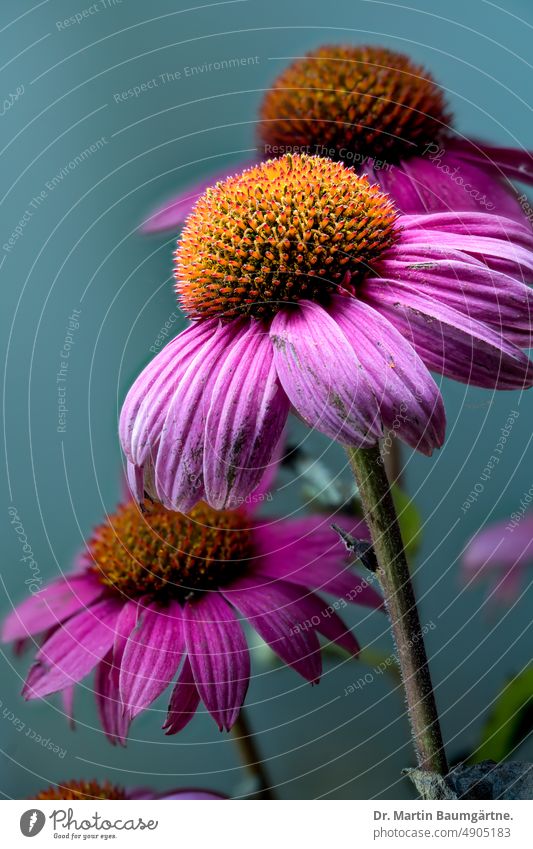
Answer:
[(501, 554), (309, 291), (159, 594), (82, 790), (378, 111)]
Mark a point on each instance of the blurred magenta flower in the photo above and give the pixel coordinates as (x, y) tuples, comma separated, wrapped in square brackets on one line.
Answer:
[(158, 594), (78, 790), (380, 112), (501, 554), (309, 291)]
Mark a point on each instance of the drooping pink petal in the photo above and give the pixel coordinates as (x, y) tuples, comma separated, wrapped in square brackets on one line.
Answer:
[(322, 376), (426, 184), (115, 720), (247, 415), (264, 487), (184, 701), (151, 656), (448, 341), (328, 623), (468, 224), (110, 711), (275, 611), (173, 213), (470, 287), (409, 400), (74, 649), (307, 552), (68, 705), (510, 161), (50, 606), (202, 795), (179, 479), (509, 255), (146, 405), (218, 654), (135, 476), (503, 544), (398, 185)]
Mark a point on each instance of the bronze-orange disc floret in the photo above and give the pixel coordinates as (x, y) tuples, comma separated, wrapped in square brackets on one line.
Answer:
[(167, 554), (362, 98), (293, 228)]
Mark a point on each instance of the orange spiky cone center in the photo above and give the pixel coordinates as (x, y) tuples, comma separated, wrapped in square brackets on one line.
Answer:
[(292, 228), (343, 99), (166, 554)]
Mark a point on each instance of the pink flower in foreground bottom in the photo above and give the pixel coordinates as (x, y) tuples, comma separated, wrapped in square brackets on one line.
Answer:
[(308, 291), (501, 554), (78, 790), (380, 112), (160, 594)]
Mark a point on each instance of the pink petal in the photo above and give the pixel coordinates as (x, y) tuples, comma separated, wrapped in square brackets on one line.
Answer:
[(409, 400), (184, 795), (146, 405), (245, 422), (477, 224), (50, 606), (503, 254), (322, 377), (501, 545), (218, 653), (74, 649), (510, 161), (330, 625), (448, 341), (308, 553), (68, 705), (421, 184), (179, 466), (183, 702), (469, 287), (151, 656), (276, 613), (173, 213), (263, 489), (115, 720)]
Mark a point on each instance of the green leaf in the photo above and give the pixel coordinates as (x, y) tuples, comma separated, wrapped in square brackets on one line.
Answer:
[(510, 721), (410, 520)]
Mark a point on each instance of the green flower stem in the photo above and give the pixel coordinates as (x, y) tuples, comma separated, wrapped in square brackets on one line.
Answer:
[(245, 740), (392, 572)]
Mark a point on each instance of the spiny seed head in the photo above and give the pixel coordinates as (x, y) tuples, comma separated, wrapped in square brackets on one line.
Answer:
[(82, 790), (354, 98), (170, 555), (291, 228)]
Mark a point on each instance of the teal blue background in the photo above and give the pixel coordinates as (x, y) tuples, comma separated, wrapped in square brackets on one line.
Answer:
[(80, 250)]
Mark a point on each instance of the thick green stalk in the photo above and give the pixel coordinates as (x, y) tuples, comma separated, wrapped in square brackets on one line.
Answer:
[(392, 572)]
